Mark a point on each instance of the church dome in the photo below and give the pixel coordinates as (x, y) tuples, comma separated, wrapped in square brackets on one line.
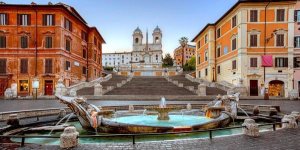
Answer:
[(157, 30), (137, 31)]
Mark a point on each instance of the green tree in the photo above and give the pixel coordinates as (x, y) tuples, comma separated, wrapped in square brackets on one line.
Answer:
[(168, 61), (190, 65)]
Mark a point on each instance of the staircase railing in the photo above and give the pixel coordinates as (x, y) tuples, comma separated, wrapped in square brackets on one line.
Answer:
[(82, 85)]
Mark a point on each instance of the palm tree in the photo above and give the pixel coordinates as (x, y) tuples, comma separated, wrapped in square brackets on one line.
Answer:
[(183, 42)]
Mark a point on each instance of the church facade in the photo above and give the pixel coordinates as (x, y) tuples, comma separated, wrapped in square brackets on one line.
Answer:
[(147, 53)]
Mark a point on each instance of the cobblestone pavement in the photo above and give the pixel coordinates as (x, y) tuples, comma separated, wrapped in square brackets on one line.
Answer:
[(16, 105), (287, 139)]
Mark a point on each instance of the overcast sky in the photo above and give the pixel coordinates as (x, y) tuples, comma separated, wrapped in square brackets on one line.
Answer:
[(116, 19)]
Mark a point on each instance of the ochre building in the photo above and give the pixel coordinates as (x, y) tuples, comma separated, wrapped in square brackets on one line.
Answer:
[(253, 42), (188, 53), (46, 43)]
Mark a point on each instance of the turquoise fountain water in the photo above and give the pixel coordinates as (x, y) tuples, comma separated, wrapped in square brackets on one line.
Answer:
[(174, 121)]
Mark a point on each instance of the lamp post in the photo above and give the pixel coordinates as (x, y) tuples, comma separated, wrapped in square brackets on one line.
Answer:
[(35, 86)]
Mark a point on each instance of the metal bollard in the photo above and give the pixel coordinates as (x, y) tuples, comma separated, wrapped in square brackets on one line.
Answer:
[(133, 140), (210, 134), (274, 127), (23, 142)]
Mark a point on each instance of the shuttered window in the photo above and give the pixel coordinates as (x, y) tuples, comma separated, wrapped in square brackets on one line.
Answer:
[(281, 62), (2, 41), (68, 65), (24, 66), (84, 35), (218, 33), (48, 65), (48, 20), (233, 21), (84, 70), (68, 24), (280, 15), (233, 44), (253, 40), (3, 19), (280, 40), (2, 66), (48, 42), (253, 15), (234, 65), (253, 62), (24, 19), (68, 45), (219, 69), (24, 41), (84, 53), (218, 51)]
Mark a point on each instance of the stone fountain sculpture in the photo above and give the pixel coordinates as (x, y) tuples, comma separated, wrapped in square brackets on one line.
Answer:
[(163, 110)]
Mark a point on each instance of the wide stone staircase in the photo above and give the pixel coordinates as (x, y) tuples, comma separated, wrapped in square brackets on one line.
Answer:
[(149, 86), (186, 82), (110, 83)]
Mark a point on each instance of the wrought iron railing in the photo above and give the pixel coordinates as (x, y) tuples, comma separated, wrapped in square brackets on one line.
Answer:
[(134, 136)]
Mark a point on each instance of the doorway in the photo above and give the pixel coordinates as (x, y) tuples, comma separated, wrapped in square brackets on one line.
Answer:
[(253, 87), (276, 88), (48, 87), (3, 86)]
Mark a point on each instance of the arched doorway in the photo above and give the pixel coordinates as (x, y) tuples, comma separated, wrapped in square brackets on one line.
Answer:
[(276, 88)]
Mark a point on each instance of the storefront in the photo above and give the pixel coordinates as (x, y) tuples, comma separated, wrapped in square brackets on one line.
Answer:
[(276, 88)]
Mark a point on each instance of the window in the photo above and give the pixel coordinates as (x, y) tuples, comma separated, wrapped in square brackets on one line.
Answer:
[(84, 35), (253, 40), (156, 57), (48, 20), (225, 50), (199, 59), (68, 65), (2, 41), (280, 15), (233, 22), (253, 62), (24, 19), (24, 86), (218, 51), (206, 56), (253, 15), (279, 39), (206, 72), (48, 65), (219, 69), (297, 16), (68, 45), (3, 19), (297, 42), (48, 42), (68, 24), (84, 53), (84, 70), (281, 62), (233, 44), (24, 41), (198, 44), (199, 74), (206, 38), (218, 33), (234, 65), (2, 66), (136, 40), (95, 56), (95, 41), (24, 66)]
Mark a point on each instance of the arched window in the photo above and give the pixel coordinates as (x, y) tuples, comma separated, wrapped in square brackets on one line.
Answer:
[(156, 39), (136, 40)]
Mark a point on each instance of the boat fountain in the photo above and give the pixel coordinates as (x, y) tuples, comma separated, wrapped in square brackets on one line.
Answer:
[(218, 113)]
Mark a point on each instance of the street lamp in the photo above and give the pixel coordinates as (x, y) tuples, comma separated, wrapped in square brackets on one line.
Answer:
[(35, 85)]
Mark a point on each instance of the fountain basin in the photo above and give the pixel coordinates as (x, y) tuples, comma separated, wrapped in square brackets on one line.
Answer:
[(151, 120)]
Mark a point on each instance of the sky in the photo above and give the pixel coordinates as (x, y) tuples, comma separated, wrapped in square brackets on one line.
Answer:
[(117, 19)]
